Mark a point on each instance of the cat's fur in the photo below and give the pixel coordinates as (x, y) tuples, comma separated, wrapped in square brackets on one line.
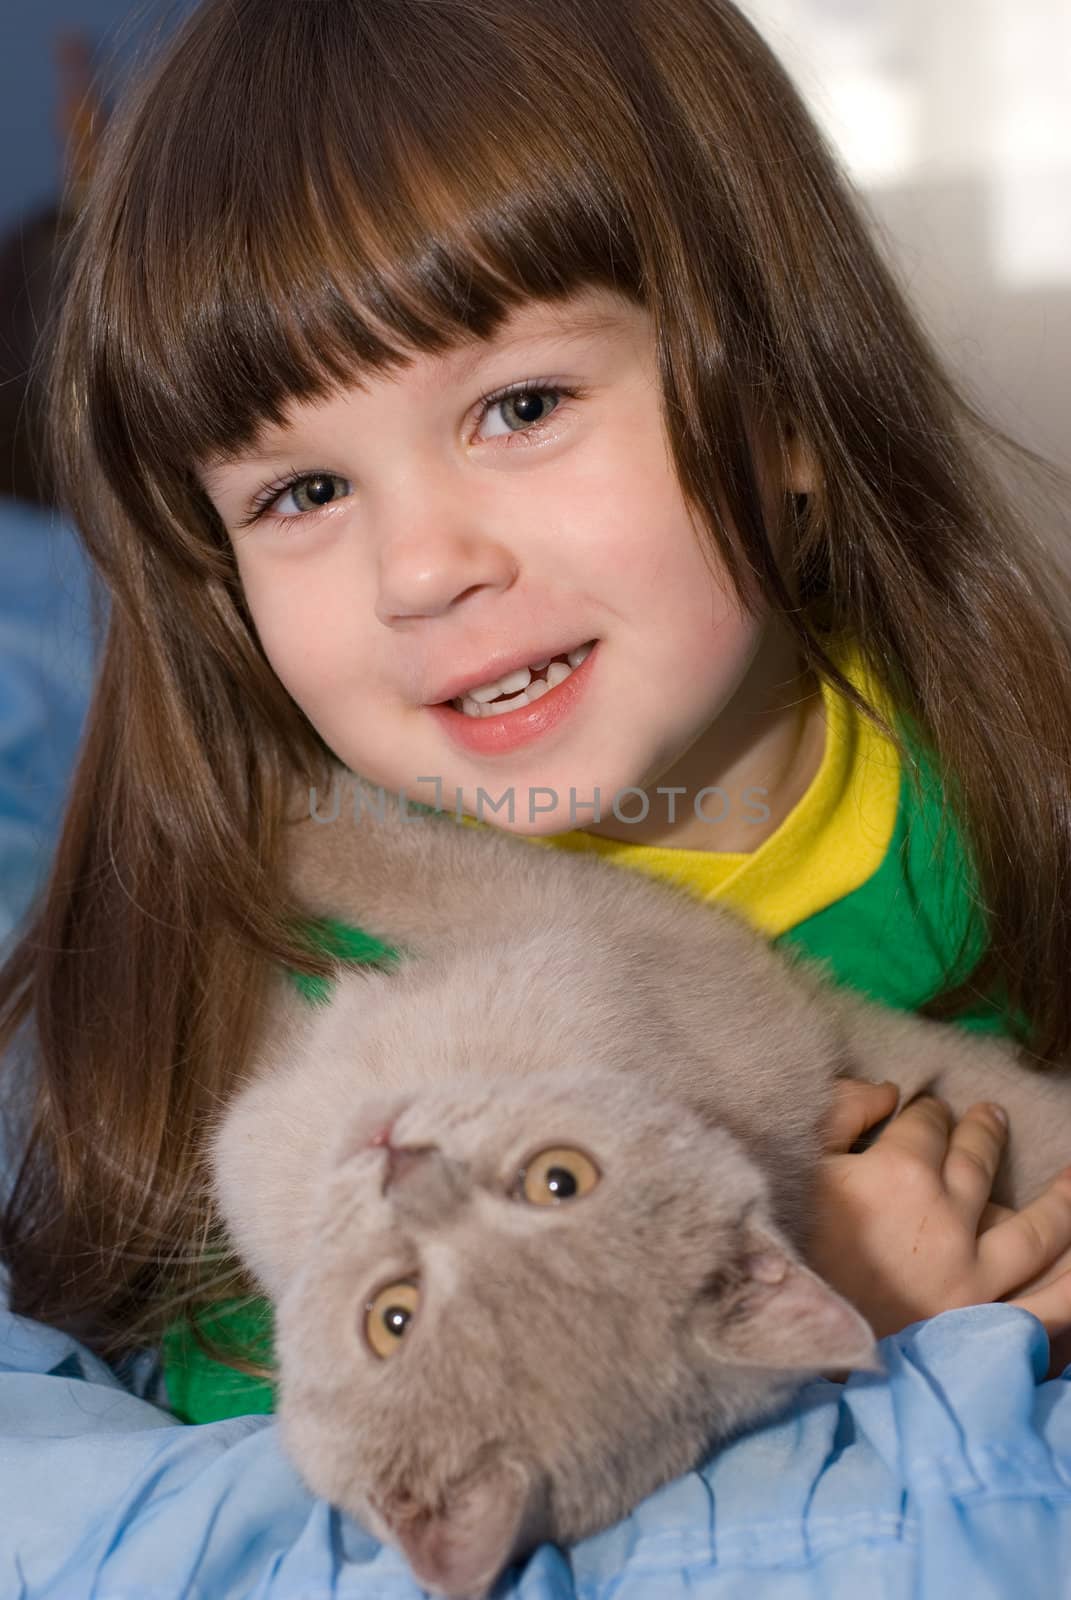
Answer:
[(565, 1359)]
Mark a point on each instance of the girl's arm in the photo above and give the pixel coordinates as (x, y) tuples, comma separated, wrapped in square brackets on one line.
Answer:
[(906, 1229)]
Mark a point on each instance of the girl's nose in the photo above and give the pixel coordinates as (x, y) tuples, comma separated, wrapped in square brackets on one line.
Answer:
[(424, 572)]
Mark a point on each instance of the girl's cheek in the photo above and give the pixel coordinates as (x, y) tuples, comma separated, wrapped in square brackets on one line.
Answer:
[(306, 640)]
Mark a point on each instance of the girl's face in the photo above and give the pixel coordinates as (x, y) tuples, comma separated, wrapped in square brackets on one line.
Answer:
[(436, 541)]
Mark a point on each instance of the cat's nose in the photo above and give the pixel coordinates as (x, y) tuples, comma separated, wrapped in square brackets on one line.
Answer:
[(401, 1159), (424, 1186)]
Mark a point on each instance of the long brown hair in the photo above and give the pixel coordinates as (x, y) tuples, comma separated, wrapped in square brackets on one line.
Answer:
[(297, 194)]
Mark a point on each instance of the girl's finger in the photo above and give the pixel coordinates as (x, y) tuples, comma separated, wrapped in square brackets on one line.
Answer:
[(992, 1215), (857, 1106), (1051, 1305), (920, 1130), (974, 1153), (1061, 1265), (1027, 1244)]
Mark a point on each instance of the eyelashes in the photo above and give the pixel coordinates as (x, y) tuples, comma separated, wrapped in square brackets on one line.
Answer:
[(272, 492)]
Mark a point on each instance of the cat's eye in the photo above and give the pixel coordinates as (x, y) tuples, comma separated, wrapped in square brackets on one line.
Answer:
[(560, 1173), (388, 1315)]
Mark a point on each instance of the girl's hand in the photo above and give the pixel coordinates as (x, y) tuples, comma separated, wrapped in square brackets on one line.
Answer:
[(906, 1230)]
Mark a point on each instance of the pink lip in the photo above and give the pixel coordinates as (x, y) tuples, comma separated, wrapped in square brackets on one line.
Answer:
[(488, 736)]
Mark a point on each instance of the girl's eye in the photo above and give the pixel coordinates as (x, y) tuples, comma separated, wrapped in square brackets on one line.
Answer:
[(318, 486), (526, 402)]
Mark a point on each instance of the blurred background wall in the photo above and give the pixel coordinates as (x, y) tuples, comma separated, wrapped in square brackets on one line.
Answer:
[(954, 119), (30, 140)]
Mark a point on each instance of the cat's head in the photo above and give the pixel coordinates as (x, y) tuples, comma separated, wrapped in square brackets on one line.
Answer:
[(530, 1302)]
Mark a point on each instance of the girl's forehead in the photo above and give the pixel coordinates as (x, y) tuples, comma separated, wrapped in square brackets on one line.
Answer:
[(586, 313), (577, 316)]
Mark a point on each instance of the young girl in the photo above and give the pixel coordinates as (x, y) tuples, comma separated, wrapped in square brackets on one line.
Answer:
[(409, 347)]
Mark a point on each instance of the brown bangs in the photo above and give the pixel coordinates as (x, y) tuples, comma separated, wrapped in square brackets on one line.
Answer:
[(424, 189)]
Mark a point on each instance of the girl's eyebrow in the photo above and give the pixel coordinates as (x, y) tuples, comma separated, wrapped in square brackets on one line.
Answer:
[(464, 361)]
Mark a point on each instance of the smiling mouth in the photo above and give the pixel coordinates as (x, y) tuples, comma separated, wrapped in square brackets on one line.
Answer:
[(521, 688)]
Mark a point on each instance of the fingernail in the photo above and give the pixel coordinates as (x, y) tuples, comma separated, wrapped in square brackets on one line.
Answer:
[(1000, 1114)]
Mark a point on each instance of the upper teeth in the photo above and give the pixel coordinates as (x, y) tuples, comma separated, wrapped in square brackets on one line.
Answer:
[(515, 683)]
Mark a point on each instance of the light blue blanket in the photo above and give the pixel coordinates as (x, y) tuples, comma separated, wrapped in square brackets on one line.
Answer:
[(950, 1475)]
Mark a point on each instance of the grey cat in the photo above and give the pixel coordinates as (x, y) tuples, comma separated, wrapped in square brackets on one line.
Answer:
[(532, 1205)]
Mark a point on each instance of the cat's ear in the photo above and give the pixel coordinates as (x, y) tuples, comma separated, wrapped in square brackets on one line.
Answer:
[(772, 1311), (460, 1548)]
